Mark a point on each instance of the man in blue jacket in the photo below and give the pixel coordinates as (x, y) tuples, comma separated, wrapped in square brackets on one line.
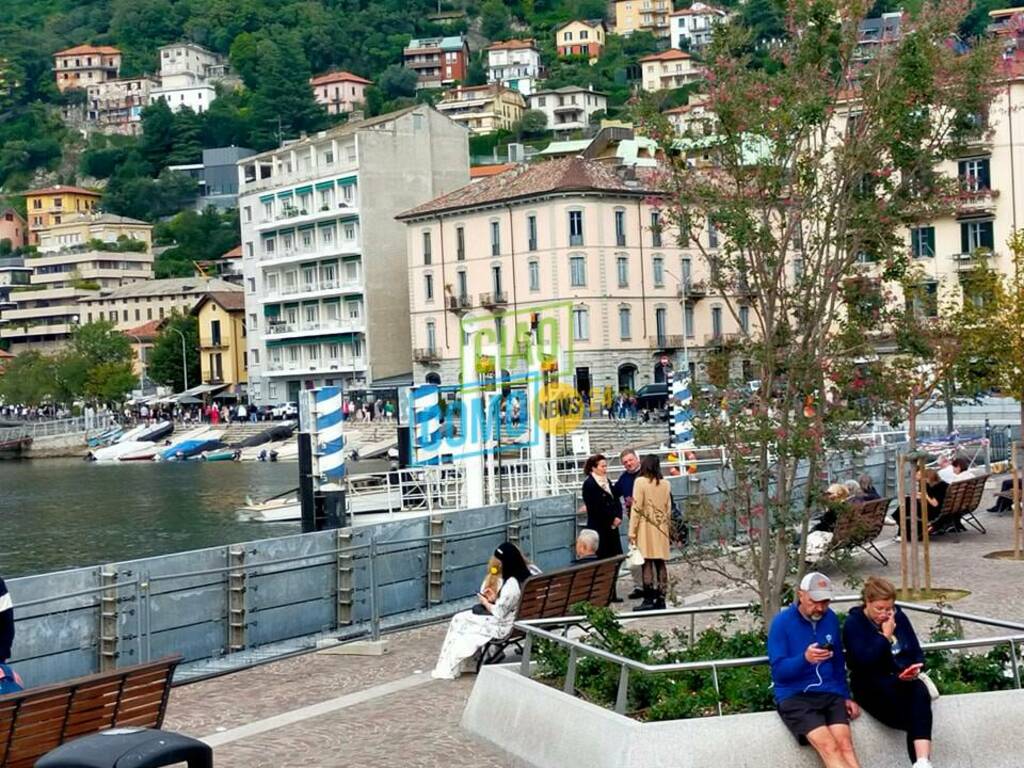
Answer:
[(809, 674)]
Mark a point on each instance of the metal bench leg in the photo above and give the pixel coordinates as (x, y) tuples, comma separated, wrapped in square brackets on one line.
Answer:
[(875, 552), (974, 522)]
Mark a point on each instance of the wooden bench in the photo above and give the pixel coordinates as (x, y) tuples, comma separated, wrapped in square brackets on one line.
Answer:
[(961, 502), (550, 595), (37, 720), (858, 525)]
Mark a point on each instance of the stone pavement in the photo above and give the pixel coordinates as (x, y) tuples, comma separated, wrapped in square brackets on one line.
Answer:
[(321, 710)]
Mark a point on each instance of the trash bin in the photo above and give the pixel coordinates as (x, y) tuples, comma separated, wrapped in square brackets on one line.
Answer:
[(129, 748)]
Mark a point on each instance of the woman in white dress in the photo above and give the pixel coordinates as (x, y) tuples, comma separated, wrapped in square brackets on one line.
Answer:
[(469, 631)]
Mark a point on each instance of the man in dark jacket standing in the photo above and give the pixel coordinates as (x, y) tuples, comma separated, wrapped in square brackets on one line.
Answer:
[(623, 490), (6, 623)]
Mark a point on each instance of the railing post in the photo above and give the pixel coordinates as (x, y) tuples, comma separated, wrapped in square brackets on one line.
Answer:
[(622, 696), (108, 621), (237, 578), (345, 583), (1016, 663), (570, 673), (718, 690), (524, 664), (435, 562), (374, 617)]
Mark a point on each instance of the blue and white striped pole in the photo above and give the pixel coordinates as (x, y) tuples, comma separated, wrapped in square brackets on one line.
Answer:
[(329, 457), (681, 400), (426, 426)]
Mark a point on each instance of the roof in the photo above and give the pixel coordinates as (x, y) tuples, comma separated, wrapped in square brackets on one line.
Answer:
[(514, 44), (570, 147), (5, 355), (699, 9), (483, 171), (78, 49), (453, 43), (593, 23), (62, 190), (230, 302), (5, 209), (568, 174), (172, 286), (147, 331), (102, 218), (338, 77), (670, 55), (234, 253), (567, 89)]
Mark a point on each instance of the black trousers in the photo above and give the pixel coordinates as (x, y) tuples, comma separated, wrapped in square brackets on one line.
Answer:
[(1004, 505), (905, 706)]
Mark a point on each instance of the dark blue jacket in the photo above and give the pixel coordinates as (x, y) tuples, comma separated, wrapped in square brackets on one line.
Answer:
[(624, 485), (6, 623), (788, 638), (872, 661)]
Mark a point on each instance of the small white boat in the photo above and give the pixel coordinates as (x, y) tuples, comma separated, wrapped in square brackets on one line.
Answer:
[(286, 509), (119, 450)]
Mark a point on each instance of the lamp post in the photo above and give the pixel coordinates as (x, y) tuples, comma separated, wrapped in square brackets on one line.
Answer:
[(682, 308), (184, 359)]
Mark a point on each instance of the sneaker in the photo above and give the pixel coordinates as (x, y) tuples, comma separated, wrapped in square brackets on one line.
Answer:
[(923, 762), (897, 539), (889, 521)]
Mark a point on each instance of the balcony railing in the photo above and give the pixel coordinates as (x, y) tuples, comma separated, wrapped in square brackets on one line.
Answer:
[(493, 299), (325, 365), (976, 200), (459, 304), (283, 328), (668, 341), (721, 339), (428, 355), (693, 289)]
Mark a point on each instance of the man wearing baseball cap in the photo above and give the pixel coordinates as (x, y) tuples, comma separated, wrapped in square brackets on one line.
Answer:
[(809, 673)]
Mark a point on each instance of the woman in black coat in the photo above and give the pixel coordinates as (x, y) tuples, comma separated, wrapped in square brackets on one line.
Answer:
[(604, 511)]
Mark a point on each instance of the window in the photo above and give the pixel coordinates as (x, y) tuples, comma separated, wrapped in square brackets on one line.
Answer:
[(974, 174), (716, 322), (248, 214), (460, 243), (688, 321), (431, 336), (745, 318), (661, 325), (659, 272), (923, 299), (656, 229), (534, 272), (496, 279), (531, 232), (428, 287), (350, 232), (620, 228), (712, 234), (575, 227), (622, 269), (215, 333), (327, 235), (495, 238), (580, 324), (624, 323), (922, 242), (427, 255), (252, 287), (975, 235), (577, 271)]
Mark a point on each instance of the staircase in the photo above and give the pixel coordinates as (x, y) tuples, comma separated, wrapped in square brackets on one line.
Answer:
[(608, 436)]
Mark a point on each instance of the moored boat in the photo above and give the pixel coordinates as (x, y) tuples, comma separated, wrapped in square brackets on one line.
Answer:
[(14, 449)]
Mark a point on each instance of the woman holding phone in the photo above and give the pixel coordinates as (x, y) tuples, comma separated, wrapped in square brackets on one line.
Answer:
[(885, 659)]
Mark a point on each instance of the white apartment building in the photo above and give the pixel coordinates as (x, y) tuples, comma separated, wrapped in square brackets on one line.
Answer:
[(326, 283), (515, 64), (570, 108), (133, 304), (574, 234), (188, 75), (691, 28)]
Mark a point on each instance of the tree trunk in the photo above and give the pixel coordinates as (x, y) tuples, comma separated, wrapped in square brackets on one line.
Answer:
[(947, 395)]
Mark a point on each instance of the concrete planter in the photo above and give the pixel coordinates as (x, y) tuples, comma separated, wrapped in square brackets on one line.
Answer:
[(547, 728)]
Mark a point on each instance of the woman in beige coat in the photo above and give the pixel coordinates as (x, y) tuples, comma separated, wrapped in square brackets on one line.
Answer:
[(649, 522)]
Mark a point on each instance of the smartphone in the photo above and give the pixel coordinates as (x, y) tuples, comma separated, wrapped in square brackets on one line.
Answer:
[(909, 672), (826, 646)]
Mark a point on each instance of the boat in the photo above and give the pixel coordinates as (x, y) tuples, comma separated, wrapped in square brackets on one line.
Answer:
[(199, 434), (274, 434), (224, 454), (119, 450), (156, 431), (106, 437), (14, 449), (286, 508), (189, 448)]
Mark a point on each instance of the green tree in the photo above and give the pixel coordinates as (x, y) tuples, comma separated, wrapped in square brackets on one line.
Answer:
[(110, 382), (188, 147), (532, 123), (28, 379), (396, 81), (157, 135), (494, 20), (100, 342), (165, 359)]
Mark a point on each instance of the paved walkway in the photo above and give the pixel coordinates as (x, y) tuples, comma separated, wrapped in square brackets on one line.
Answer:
[(322, 710)]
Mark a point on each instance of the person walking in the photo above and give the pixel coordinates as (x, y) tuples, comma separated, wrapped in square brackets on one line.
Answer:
[(604, 512), (885, 660), (6, 623), (649, 529)]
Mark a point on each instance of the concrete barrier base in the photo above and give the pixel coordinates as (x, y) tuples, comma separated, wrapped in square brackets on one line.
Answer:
[(547, 728)]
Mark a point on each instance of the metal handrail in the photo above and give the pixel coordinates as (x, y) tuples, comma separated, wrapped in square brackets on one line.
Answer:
[(533, 629)]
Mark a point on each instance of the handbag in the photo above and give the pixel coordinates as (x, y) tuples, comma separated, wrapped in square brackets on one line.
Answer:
[(634, 558), (933, 690)]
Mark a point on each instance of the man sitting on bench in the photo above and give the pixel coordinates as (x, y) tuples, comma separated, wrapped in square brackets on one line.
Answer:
[(586, 545)]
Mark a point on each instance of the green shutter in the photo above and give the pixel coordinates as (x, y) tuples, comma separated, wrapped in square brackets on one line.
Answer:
[(304, 190), (325, 185), (266, 198), (347, 180), (286, 193)]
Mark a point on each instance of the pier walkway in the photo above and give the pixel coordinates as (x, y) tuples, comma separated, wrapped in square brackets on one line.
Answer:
[(322, 710)]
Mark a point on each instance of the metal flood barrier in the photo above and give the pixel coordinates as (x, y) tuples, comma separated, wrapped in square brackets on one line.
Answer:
[(211, 603)]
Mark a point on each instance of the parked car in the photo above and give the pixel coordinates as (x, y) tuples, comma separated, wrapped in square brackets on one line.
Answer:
[(652, 396), (285, 411)]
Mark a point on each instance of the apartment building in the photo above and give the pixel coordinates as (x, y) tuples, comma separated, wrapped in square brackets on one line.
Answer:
[(514, 64), (437, 61), (579, 235), (188, 76), (115, 106), (570, 108), (581, 38), (339, 92), (223, 357), (326, 281), (692, 28), (13, 274), (643, 16), (216, 177), (483, 108), (669, 69), (49, 207), (86, 65), (13, 228), (81, 230), (128, 305)]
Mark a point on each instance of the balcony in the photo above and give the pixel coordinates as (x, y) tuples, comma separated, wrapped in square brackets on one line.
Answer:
[(282, 329), (981, 141), (719, 340), (312, 290), (743, 288), (670, 341), (693, 290), (459, 304), (323, 367), (289, 217), (493, 300), (427, 356), (966, 262), (974, 201), (323, 250)]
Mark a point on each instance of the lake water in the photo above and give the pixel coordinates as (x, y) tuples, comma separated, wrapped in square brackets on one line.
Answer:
[(64, 513)]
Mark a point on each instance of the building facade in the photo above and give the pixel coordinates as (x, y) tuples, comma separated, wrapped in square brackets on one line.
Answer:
[(669, 69), (216, 177), (223, 357), (514, 64), (483, 108), (80, 230), (577, 237), (13, 228), (581, 38), (13, 274), (86, 65), (115, 106), (339, 92), (691, 28), (128, 305), (570, 108), (326, 292), (643, 16), (49, 207), (188, 76), (437, 61)]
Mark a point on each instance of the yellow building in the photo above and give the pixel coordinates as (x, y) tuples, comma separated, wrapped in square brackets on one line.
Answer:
[(48, 207), (483, 108), (222, 353), (643, 16)]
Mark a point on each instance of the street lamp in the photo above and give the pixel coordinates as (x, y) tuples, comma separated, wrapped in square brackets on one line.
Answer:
[(682, 308), (184, 360)]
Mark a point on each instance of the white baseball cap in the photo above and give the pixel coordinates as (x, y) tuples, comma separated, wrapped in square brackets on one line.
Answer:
[(818, 586)]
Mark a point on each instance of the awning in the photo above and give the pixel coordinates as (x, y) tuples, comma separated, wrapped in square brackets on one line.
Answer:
[(190, 396)]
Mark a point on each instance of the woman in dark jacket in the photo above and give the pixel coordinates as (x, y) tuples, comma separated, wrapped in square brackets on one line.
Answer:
[(604, 511), (883, 656)]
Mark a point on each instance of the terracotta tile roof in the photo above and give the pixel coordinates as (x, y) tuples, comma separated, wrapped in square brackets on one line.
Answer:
[(483, 171), (234, 253), (670, 55), (592, 23), (5, 355), (229, 301), (567, 174), (512, 44), (147, 331), (61, 189), (107, 50), (338, 77)]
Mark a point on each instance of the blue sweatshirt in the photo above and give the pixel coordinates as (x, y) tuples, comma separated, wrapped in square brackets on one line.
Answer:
[(788, 638), (874, 661)]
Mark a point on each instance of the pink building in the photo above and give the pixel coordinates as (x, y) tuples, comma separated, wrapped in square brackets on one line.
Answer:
[(13, 228), (339, 91)]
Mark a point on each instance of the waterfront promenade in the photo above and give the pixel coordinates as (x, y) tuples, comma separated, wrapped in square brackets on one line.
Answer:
[(325, 710)]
